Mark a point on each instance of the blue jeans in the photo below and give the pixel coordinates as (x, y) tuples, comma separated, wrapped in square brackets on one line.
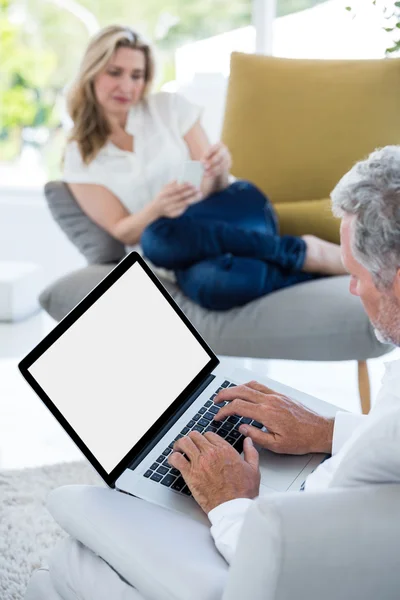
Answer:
[(226, 250)]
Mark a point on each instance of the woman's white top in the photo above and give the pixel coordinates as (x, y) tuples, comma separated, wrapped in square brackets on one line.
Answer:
[(158, 125)]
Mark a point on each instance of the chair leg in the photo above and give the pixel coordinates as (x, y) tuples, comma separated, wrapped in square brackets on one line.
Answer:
[(364, 387)]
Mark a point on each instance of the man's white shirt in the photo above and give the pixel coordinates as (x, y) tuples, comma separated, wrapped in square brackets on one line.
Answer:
[(227, 518)]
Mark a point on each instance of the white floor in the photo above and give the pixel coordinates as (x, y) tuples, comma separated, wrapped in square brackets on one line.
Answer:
[(30, 436)]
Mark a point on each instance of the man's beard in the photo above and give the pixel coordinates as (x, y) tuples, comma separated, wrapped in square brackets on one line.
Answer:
[(387, 323)]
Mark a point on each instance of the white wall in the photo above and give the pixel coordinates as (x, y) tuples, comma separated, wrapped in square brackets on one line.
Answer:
[(28, 233)]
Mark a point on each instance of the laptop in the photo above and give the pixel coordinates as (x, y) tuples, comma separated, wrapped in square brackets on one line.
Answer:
[(126, 374)]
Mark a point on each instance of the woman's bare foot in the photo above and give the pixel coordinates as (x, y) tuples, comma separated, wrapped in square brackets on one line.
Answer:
[(322, 257)]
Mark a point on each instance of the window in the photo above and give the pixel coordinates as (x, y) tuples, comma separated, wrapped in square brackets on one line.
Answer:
[(326, 29), (41, 43), (287, 7)]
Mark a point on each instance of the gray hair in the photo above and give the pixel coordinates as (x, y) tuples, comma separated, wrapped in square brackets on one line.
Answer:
[(371, 192)]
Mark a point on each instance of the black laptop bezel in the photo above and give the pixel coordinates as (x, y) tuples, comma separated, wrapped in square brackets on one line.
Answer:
[(85, 304)]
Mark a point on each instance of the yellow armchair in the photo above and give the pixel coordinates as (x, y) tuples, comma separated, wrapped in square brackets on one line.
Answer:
[(294, 127)]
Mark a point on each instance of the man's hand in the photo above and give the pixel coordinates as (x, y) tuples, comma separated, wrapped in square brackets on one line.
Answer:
[(292, 427), (214, 471)]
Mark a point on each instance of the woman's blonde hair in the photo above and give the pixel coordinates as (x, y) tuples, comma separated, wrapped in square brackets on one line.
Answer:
[(91, 128)]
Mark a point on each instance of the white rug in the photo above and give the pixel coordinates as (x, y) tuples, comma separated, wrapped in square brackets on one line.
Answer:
[(27, 531)]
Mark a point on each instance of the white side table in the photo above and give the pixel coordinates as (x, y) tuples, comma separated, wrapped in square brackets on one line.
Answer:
[(20, 285)]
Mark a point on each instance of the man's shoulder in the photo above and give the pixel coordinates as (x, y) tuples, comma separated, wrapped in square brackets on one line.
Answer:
[(392, 370), (389, 393), (373, 458)]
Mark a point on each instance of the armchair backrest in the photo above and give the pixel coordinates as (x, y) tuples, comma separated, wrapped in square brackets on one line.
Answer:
[(339, 544), (295, 127)]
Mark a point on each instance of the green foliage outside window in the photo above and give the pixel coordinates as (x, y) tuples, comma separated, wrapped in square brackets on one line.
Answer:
[(26, 98), (389, 12)]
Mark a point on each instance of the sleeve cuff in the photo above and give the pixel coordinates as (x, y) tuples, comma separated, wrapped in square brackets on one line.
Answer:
[(345, 425), (232, 507), (226, 523)]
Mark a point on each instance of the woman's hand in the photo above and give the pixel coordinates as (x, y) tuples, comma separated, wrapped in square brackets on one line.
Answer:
[(174, 198), (217, 160)]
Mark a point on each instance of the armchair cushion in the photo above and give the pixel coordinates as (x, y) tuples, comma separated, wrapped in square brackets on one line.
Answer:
[(311, 217), (317, 320), (96, 245)]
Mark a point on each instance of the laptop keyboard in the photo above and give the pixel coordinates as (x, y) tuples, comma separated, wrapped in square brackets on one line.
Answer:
[(161, 472)]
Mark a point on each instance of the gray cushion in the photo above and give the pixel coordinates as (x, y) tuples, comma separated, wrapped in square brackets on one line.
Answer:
[(96, 245), (317, 320)]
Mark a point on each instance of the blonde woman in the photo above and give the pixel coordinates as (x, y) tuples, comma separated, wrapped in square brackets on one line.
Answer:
[(122, 162)]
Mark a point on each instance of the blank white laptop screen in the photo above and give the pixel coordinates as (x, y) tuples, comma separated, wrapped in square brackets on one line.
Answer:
[(116, 370)]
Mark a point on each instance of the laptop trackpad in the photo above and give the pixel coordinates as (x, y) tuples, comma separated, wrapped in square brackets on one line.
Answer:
[(278, 471)]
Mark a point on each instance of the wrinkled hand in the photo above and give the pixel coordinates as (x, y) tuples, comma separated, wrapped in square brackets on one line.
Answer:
[(292, 427), (217, 160), (174, 199), (214, 471)]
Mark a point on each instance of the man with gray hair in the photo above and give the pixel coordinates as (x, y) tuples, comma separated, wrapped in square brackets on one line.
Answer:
[(367, 199), (223, 483)]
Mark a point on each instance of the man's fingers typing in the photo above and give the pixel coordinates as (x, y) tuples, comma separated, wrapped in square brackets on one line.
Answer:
[(186, 446), (241, 391), (214, 439), (251, 455), (263, 438), (251, 392), (259, 387), (177, 460), (199, 440), (241, 408)]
